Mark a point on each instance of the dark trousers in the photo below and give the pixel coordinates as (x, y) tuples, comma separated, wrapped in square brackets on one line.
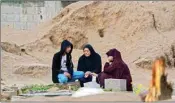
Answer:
[(85, 80)]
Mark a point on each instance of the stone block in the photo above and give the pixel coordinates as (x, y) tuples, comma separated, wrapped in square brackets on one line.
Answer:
[(17, 10), (12, 17), (16, 18), (23, 18), (115, 84), (6, 9), (3, 17), (30, 18), (14, 88), (31, 10), (36, 18), (49, 3)]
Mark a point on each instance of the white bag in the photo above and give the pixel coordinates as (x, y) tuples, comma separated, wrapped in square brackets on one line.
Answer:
[(92, 84), (85, 91)]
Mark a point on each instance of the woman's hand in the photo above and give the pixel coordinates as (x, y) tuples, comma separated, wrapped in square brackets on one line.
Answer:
[(94, 74), (67, 75), (87, 74)]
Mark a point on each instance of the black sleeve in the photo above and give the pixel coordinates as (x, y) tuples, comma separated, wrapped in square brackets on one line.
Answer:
[(98, 65), (55, 68), (80, 65)]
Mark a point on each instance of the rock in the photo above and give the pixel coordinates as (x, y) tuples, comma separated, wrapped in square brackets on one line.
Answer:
[(6, 89), (5, 97), (11, 93), (144, 63), (14, 88), (115, 84)]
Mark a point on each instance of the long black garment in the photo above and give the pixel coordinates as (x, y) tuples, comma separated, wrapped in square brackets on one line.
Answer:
[(91, 63), (56, 62)]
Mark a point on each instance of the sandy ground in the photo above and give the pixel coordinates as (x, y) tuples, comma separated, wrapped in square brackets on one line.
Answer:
[(138, 29)]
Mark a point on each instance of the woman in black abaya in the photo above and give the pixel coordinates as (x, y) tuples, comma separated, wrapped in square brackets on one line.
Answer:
[(89, 63)]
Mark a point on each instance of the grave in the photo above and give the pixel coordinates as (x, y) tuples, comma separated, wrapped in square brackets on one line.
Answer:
[(115, 84)]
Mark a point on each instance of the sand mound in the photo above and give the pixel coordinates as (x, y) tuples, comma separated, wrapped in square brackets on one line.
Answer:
[(11, 48), (117, 22), (32, 70), (168, 57)]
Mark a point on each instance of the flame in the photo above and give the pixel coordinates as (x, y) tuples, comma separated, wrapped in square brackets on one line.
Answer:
[(156, 92)]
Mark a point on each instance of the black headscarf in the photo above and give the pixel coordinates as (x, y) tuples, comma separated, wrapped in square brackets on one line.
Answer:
[(91, 63)]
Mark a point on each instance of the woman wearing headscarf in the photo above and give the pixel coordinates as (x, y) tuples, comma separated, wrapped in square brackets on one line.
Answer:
[(89, 63), (115, 68), (62, 66)]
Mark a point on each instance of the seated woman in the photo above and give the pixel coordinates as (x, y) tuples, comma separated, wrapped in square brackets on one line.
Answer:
[(115, 68), (89, 63)]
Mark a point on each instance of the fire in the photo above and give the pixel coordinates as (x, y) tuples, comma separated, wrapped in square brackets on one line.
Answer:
[(159, 88)]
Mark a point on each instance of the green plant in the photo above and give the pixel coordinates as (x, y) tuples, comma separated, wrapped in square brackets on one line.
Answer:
[(108, 90)]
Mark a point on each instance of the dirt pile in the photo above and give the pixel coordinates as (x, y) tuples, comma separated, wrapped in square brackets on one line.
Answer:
[(32, 70), (168, 57), (111, 24), (11, 48)]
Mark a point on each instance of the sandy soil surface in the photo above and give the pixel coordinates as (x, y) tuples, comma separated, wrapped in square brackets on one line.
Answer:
[(140, 30)]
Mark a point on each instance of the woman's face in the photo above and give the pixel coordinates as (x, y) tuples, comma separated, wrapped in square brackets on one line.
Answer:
[(110, 58), (87, 52)]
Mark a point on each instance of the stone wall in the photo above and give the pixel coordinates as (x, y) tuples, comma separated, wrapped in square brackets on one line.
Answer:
[(20, 14)]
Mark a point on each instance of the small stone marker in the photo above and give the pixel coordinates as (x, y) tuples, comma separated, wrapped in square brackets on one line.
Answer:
[(115, 84)]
